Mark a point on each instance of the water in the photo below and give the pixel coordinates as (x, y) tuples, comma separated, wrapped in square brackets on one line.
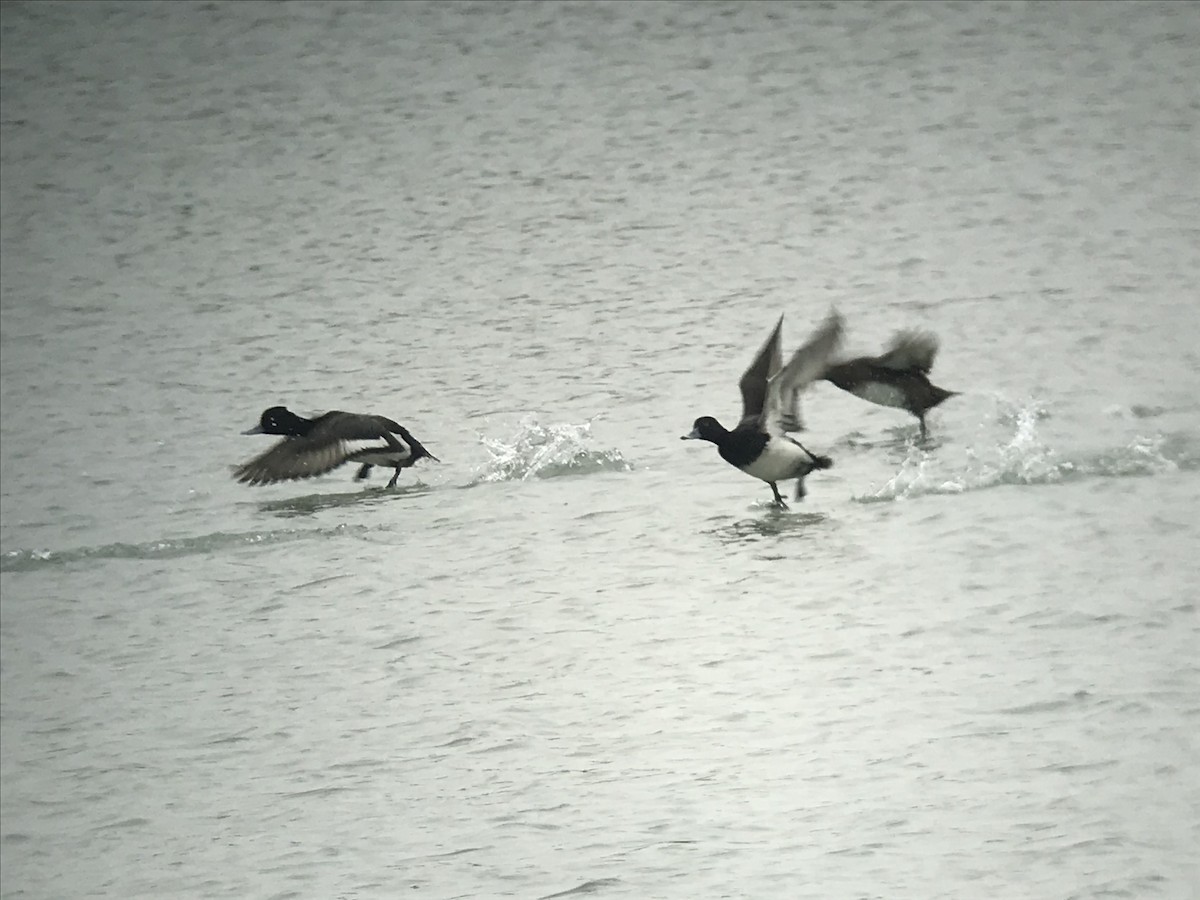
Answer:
[(580, 656)]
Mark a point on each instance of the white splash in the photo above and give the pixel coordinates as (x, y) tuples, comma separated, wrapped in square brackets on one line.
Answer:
[(545, 451), (1020, 457)]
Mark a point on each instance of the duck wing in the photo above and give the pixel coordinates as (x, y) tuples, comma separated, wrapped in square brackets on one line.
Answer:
[(781, 412), (333, 438), (753, 383), (909, 351), (353, 427), (292, 458)]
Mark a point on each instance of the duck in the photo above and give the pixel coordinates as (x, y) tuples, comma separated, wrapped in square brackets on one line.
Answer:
[(899, 377), (315, 446), (759, 444)]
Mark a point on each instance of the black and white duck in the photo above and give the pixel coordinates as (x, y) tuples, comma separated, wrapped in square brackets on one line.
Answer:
[(759, 445), (312, 447)]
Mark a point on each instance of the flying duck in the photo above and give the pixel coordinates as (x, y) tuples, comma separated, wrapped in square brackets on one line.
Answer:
[(898, 378), (759, 445), (313, 447)]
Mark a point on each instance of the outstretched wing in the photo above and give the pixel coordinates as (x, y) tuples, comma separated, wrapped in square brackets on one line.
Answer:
[(909, 351), (292, 458), (767, 362), (781, 412)]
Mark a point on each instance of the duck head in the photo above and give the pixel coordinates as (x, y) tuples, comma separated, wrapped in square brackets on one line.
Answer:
[(278, 420), (705, 428)]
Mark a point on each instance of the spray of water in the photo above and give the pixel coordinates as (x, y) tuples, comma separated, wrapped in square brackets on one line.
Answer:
[(1010, 450), (547, 451)]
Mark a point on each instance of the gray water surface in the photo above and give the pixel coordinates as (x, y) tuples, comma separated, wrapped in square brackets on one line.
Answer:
[(580, 657)]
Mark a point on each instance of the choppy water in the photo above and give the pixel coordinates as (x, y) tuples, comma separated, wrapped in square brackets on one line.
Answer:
[(580, 657)]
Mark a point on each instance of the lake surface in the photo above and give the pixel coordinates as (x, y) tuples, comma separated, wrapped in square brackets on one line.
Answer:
[(580, 657)]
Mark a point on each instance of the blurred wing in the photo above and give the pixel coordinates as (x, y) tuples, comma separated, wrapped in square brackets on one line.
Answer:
[(767, 362), (782, 410), (909, 351), (290, 459)]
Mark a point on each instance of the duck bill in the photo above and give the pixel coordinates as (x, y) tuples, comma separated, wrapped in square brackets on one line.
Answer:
[(257, 429), (692, 435)]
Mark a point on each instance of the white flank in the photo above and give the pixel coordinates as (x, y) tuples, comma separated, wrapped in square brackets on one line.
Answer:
[(883, 394), (781, 459), (377, 454)]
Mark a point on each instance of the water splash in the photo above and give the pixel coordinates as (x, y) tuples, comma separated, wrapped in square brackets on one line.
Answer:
[(26, 560), (1023, 458), (547, 451)]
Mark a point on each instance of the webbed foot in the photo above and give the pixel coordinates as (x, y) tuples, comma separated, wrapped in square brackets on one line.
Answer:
[(778, 499)]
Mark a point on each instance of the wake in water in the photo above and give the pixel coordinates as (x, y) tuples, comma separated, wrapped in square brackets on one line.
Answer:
[(26, 560), (1022, 457), (547, 451)]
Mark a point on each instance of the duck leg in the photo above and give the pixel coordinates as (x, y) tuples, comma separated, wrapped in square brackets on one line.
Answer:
[(921, 419), (778, 499), (800, 490), (363, 471), (392, 483)]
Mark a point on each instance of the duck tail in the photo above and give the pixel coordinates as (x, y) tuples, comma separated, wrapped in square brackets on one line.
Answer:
[(940, 395), (818, 461)]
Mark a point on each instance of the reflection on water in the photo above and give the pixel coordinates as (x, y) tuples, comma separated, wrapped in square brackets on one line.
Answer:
[(313, 503), (773, 523)]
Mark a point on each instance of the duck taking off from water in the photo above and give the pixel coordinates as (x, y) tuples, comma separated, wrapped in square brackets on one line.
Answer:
[(315, 446), (898, 378), (759, 444)]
